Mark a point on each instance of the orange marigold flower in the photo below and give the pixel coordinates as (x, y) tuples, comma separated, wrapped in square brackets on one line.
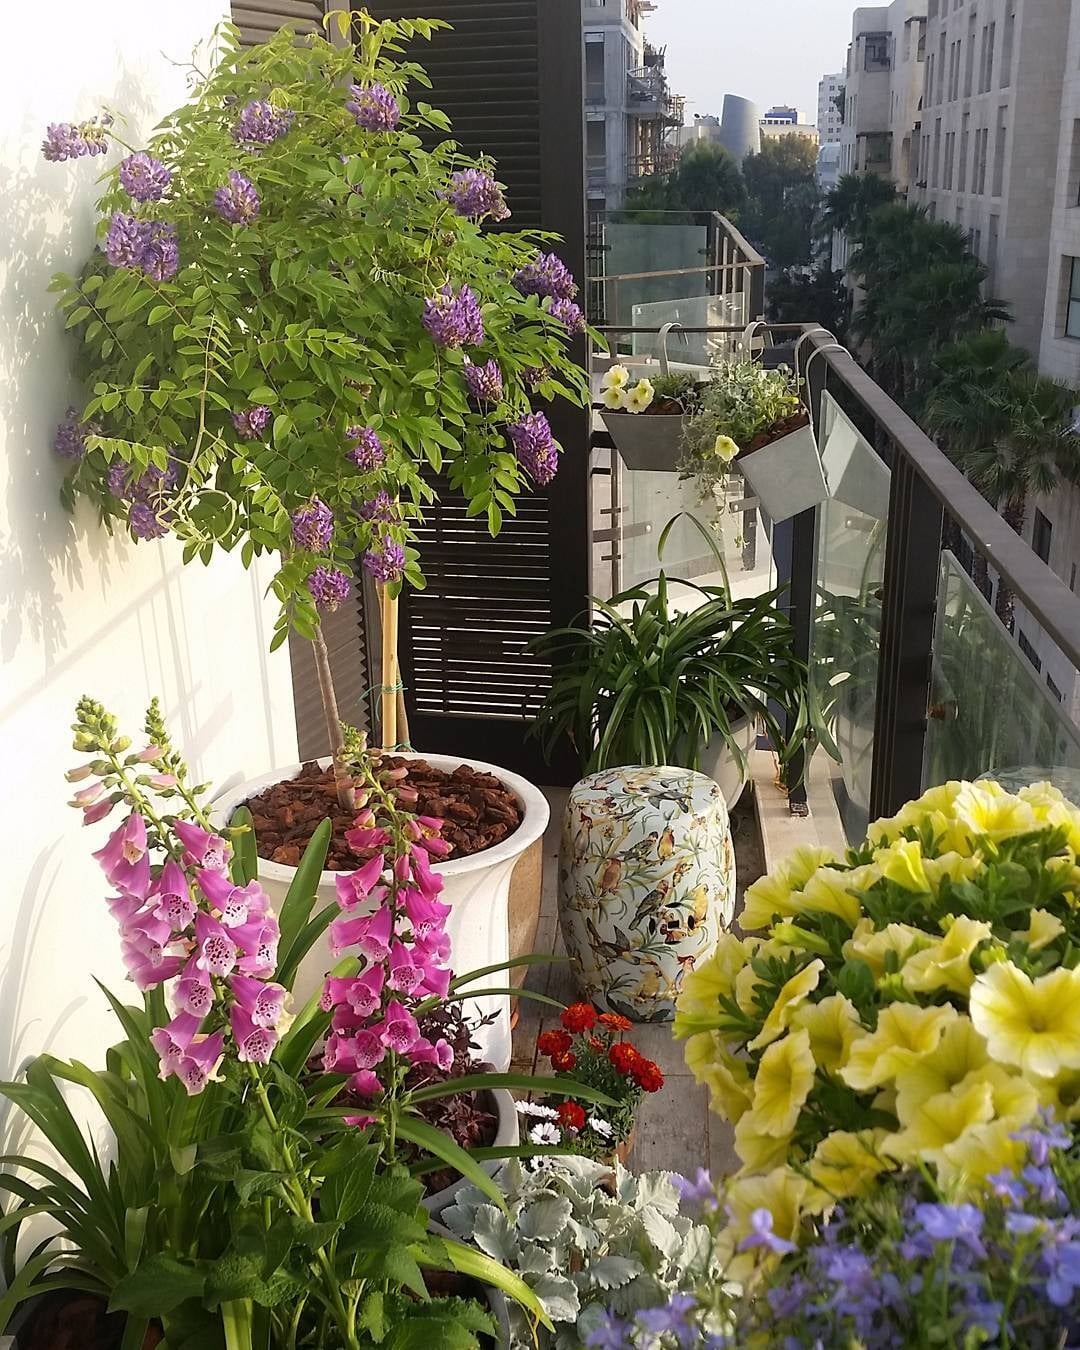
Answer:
[(564, 1061), (615, 1021), (553, 1043), (571, 1116), (624, 1056), (647, 1075), (595, 1043), (579, 1017)]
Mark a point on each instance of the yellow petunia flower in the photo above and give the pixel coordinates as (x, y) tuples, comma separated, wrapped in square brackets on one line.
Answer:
[(1016, 1099), (791, 995), (902, 864), (985, 810), (874, 945), (832, 1025), (954, 866), (940, 1121), (961, 1052), (830, 892), (905, 1032), (785, 1194), (756, 1150), (710, 980), (1061, 1094), (782, 1084), (846, 1164), (1043, 928), (726, 1076), (772, 895), (725, 449), (1032, 1024), (947, 964), (979, 1152), (639, 398), (615, 377), (934, 807), (613, 398)]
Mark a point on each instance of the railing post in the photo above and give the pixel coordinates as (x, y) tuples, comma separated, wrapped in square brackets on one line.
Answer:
[(909, 608)]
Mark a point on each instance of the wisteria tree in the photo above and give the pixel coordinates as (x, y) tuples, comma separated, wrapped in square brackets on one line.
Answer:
[(296, 311)]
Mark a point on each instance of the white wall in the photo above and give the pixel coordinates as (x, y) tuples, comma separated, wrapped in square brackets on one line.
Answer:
[(80, 612)]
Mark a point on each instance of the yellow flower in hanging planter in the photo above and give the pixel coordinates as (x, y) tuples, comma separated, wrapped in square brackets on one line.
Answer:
[(639, 398), (947, 964), (756, 1150), (847, 1165), (615, 377), (613, 398), (902, 864), (874, 946), (833, 1027), (787, 1003), (939, 1121), (961, 1052), (783, 1082), (724, 449), (981, 1151), (731, 1092), (904, 1033), (1033, 1024), (1043, 928)]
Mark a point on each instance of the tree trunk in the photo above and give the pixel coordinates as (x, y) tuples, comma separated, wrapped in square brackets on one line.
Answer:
[(342, 780)]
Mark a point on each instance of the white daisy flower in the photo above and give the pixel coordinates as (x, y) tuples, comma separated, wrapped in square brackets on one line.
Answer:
[(545, 1133), (536, 1110), (602, 1128), (617, 377), (614, 397)]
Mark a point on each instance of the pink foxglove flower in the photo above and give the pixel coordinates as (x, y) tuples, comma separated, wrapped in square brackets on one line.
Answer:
[(441, 1054), (217, 949), (203, 848), (365, 1084), (99, 810), (398, 1030), (87, 796), (124, 858), (434, 949), (362, 994), (355, 1053), (147, 972), (254, 1043), (356, 886), (361, 840), (194, 992), (371, 933), (200, 1063), (173, 895), (264, 1003), (258, 941), (404, 976), (426, 916), (436, 980), (235, 904)]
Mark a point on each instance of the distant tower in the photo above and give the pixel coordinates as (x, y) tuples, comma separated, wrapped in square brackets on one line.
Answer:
[(740, 132)]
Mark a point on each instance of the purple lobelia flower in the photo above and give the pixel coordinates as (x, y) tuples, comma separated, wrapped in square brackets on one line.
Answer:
[(387, 562), (454, 320), (313, 526), (127, 240), (69, 442), (953, 1223), (476, 194), (569, 314), (68, 140), (381, 507), (535, 447), (144, 178), (374, 107), (548, 275), (329, 588), (252, 422), (237, 202), (700, 1193), (145, 523), (260, 123), (161, 257), (368, 452), (484, 383), (761, 1235)]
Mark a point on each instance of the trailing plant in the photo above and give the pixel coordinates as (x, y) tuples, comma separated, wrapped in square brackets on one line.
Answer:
[(296, 313), (647, 682), (590, 1047), (590, 1239)]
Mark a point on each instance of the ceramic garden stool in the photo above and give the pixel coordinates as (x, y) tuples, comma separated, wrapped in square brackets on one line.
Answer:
[(646, 884)]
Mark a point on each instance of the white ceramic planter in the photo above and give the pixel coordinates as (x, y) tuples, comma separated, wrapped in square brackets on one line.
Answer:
[(786, 476), (476, 888), (719, 763), (507, 1135)]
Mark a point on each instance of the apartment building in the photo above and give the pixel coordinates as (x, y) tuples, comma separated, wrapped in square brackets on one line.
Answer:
[(631, 115), (828, 112), (989, 148)]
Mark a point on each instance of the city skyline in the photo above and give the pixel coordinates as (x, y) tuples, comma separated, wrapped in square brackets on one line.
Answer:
[(804, 40)]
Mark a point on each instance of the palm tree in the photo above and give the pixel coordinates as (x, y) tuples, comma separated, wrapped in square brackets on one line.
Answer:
[(1012, 433), (853, 200)]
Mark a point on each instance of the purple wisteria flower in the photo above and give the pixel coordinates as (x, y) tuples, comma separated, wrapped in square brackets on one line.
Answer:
[(69, 442), (329, 588), (548, 275), (260, 123), (144, 178), (127, 239), (313, 526), (251, 422), (387, 562), (144, 521), (161, 258), (761, 1235), (569, 314), (238, 202), (118, 479), (535, 447), (368, 452), (454, 320), (154, 482), (476, 194), (534, 377), (484, 383), (374, 107), (68, 140), (381, 507)]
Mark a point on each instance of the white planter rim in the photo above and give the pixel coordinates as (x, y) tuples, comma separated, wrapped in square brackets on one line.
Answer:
[(535, 814), (507, 1135)]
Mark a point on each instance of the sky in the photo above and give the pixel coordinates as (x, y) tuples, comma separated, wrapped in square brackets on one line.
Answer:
[(769, 51)]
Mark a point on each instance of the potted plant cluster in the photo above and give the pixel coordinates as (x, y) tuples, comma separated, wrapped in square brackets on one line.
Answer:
[(648, 418), (649, 682), (756, 418), (295, 313), (245, 1202), (590, 1047)]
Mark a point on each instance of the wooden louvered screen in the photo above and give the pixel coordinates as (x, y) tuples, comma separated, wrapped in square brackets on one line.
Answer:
[(261, 19), (509, 76)]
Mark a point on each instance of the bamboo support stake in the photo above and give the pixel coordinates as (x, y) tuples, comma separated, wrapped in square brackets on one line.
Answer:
[(388, 609), (342, 779)]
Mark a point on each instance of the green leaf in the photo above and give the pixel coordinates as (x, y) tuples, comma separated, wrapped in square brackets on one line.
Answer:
[(434, 1141), (158, 1285), (468, 1261), (158, 314), (514, 1081), (245, 859)]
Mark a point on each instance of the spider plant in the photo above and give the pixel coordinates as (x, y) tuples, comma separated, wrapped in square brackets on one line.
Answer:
[(643, 683)]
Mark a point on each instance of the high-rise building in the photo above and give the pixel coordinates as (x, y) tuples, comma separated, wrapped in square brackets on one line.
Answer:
[(828, 109), (631, 115)]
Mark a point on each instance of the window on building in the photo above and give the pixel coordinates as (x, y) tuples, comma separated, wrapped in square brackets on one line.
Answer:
[(1042, 532), (998, 183), (950, 157), (1072, 305), (936, 164), (982, 144), (1028, 650), (960, 215), (969, 68), (965, 138), (596, 148), (990, 45), (876, 51), (1007, 49), (594, 67), (1055, 692), (941, 69), (992, 254), (931, 9), (976, 242)]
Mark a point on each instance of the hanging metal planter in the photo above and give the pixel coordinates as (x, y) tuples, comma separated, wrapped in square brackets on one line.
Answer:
[(651, 442)]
